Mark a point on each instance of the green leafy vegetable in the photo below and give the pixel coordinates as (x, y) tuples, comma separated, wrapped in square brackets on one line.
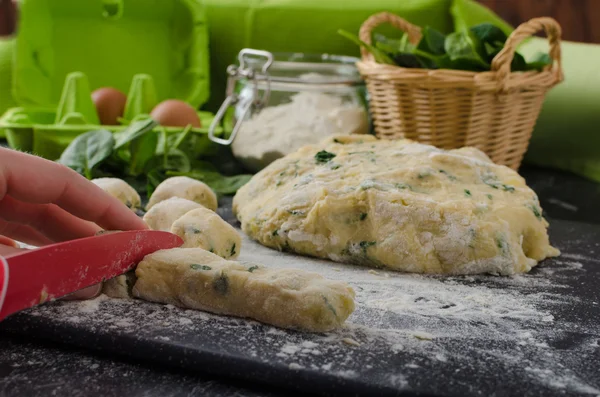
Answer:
[(379, 55), (432, 41), (134, 131), (87, 151), (490, 34), (461, 48), (467, 193), (252, 268), (232, 251), (142, 150), (539, 62), (470, 49), (363, 216), (323, 157)]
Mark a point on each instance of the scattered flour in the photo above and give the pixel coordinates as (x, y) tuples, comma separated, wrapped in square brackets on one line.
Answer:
[(404, 326)]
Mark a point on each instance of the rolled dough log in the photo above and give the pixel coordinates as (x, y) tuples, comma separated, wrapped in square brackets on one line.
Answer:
[(397, 204), (184, 187), (121, 190), (195, 278), (164, 214), (203, 228)]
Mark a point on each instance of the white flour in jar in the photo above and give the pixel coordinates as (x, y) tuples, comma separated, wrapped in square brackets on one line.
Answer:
[(307, 119)]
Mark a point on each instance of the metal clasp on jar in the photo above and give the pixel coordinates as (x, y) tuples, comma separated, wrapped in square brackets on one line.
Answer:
[(244, 71)]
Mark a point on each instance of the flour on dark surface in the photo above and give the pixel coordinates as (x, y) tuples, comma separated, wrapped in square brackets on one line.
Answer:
[(408, 331)]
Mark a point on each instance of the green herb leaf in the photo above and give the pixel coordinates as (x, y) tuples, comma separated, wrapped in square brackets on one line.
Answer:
[(275, 232), (323, 157), (252, 268), (87, 151), (221, 284), (135, 130), (467, 193), (329, 305), (432, 41), (196, 266), (365, 245), (380, 56), (488, 33), (142, 150), (462, 50), (393, 46), (539, 62), (536, 211), (232, 251), (363, 216)]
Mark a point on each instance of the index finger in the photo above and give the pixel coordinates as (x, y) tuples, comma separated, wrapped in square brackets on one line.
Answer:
[(35, 180)]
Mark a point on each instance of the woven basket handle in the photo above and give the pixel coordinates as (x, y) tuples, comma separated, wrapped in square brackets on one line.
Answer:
[(414, 32), (501, 62)]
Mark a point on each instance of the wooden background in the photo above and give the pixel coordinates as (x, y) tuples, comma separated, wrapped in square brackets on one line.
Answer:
[(580, 19)]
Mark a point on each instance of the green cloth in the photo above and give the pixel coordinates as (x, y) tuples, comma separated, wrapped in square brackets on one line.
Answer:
[(6, 98), (308, 26), (566, 135)]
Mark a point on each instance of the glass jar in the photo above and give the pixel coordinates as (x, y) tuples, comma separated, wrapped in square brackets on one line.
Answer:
[(283, 101)]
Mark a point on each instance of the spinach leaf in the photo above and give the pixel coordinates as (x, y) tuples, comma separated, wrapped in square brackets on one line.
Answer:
[(393, 46), (432, 42), (488, 33), (539, 62), (142, 150), (87, 151), (380, 56), (177, 160), (154, 178), (324, 156), (462, 50), (134, 131)]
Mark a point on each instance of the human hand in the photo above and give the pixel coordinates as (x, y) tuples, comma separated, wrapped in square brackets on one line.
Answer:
[(43, 202)]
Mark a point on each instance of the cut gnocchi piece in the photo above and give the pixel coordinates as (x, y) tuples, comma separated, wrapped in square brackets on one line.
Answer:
[(184, 187), (203, 228)]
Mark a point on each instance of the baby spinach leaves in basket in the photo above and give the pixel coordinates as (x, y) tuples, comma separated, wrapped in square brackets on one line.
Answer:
[(470, 50), (144, 154)]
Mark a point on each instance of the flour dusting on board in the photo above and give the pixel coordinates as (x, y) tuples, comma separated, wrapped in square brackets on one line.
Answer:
[(403, 325)]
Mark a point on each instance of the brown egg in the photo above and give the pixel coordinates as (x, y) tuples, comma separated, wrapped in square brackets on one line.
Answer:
[(110, 104), (175, 113)]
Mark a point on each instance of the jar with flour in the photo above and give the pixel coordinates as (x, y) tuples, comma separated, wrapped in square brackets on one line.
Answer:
[(281, 102)]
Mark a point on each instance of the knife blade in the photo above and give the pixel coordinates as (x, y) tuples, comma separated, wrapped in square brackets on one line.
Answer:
[(36, 276)]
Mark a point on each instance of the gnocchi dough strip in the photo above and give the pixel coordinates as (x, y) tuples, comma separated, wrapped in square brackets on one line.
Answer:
[(288, 298)]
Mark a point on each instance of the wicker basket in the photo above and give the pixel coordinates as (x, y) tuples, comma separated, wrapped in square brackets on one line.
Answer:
[(494, 111)]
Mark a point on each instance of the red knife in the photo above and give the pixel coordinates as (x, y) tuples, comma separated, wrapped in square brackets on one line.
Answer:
[(33, 277)]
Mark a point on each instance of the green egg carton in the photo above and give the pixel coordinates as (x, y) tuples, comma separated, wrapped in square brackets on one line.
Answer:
[(152, 49), (48, 131)]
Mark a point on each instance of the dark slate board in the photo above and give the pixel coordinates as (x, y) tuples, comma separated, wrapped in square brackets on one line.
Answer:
[(555, 357)]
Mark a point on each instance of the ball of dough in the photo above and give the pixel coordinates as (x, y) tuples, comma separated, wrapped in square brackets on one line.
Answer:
[(397, 204), (163, 214), (202, 228), (121, 190), (184, 187)]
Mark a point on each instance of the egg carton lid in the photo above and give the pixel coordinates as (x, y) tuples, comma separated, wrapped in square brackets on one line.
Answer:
[(110, 42)]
